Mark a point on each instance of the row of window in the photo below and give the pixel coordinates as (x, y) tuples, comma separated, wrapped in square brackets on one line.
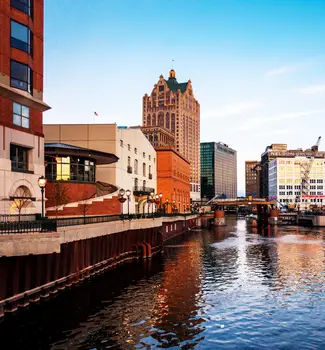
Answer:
[(136, 150), (136, 167), (298, 193)]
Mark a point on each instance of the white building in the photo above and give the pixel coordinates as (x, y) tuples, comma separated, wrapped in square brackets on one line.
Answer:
[(285, 181), (136, 168)]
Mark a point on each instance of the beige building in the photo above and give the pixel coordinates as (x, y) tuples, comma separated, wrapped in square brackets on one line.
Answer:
[(136, 168), (173, 107)]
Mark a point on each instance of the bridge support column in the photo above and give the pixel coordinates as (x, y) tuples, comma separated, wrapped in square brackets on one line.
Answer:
[(219, 218), (273, 216)]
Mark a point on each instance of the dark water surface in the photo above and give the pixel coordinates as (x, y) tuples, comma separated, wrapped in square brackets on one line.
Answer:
[(224, 288)]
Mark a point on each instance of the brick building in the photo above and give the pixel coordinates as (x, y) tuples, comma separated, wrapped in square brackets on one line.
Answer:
[(172, 106), (252, 178), (173, 179), (21, 104)]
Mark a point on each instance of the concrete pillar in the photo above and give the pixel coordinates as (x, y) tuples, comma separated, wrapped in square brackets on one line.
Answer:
[(219, 218)]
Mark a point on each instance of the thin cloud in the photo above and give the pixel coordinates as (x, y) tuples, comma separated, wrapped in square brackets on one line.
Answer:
[(232, 109), (280, 71), (312, 89), (254, 123)]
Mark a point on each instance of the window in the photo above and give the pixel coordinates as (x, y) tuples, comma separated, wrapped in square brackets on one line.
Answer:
[(21, 76), (129, 147), (136, 182), (149, 169), (144, 154), (129, 161), (135, 166), (144, 169), (18, 157), (121, 143), (20, 115), (135, 151), (22, 5), (20, 37), (149, 157)]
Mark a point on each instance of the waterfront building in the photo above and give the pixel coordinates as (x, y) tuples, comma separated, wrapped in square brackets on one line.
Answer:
[(136, 168), (173, 180), (171, 118), (252, 178), (218, 170), (21, 106), (72, 187), (286, 178), (275, 151)]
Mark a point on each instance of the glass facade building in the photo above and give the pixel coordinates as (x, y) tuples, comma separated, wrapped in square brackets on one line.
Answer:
[(218, 170)]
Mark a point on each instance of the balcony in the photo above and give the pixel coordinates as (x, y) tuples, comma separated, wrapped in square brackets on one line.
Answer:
[(142, 191), (129, 169), (150, 176)]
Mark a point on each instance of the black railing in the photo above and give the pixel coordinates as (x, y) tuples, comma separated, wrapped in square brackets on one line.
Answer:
[(84, 220), (46, 225), (51, 225), (139, 190), (21, 217)]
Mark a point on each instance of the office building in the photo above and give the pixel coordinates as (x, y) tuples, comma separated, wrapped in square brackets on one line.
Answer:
[(172, 107), (252, 178), (21, 106), (173, 180), (218, 170)]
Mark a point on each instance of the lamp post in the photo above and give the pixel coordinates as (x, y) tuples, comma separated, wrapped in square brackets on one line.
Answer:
[(166, 205), (174, 206), (151, 201), (160, 201), (42, 183), (121, 198), (128, 194)]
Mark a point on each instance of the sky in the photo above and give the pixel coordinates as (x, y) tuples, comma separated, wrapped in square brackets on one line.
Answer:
[(257, 67)]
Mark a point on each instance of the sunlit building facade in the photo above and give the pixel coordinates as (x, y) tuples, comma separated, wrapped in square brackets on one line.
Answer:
[(21, 105), (286, 178), (172, 107), (218, 170)]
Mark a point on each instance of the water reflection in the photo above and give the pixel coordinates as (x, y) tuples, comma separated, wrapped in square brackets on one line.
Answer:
[(228, 287)]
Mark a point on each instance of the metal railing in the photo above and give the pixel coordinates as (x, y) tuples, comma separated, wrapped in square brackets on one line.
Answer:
[(84, 220), (45, 225), (51, 225), (21, 217), (143, 190)]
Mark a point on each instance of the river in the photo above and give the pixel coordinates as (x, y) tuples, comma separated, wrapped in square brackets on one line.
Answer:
[(225, 288)]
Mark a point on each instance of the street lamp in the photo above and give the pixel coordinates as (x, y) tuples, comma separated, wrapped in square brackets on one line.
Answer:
[(174, 206), (128, 194), (121, 198), (166, 205), (42, 183), (152, 199), (160, 202)]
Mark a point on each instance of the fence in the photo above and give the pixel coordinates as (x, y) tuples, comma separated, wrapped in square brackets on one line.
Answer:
[(47, 225)]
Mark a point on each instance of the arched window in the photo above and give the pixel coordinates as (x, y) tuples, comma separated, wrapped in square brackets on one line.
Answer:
[(154, 120), (173, 122), (161, 120), (135, 166), (167, 121), (148, 120), (149, 169), (136, 183), (129, 161), (144, 169), (144, 184)]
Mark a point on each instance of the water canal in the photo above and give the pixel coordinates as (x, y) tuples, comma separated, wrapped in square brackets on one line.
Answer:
[(225, 288)]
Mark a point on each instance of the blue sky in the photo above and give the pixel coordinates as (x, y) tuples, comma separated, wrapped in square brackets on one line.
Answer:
[(257, 67)]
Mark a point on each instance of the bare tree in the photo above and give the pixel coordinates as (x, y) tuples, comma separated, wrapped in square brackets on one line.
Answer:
[(59, 196), (21, 199)]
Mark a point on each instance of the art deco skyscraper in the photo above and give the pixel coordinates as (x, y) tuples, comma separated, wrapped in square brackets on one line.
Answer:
[(171, 118)]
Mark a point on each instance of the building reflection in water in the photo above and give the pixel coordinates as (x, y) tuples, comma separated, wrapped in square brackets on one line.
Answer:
[(176, 313)]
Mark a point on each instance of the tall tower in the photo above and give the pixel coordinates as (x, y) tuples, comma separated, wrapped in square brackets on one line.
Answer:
[(171, 118), (21, 105)]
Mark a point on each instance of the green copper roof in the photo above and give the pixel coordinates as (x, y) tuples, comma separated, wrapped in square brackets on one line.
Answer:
[(174, 85)]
